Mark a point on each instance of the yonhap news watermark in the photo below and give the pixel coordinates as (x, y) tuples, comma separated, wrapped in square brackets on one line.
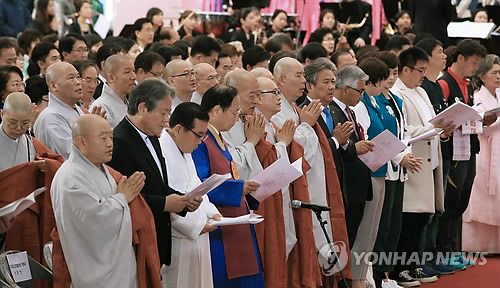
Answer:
[(329, 265)]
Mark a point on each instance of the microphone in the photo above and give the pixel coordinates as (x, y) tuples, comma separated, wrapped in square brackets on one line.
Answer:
[(314, 207)]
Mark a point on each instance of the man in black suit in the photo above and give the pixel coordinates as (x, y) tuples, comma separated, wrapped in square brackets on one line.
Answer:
[(136, 148), (346, 139)]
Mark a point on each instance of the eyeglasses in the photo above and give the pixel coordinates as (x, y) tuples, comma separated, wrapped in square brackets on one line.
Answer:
[(18, 85), (157, 75), (422, 71), (81, 50), (14, 124), (202, 137), (238, 112), (275, 91), (186, 74), (96, 81), (360, 91)]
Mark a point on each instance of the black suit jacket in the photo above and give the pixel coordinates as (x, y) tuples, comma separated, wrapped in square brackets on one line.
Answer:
[(356, 180), (130, 154)]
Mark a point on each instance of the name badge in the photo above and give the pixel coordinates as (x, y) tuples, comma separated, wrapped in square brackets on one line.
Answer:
[(19, 266)]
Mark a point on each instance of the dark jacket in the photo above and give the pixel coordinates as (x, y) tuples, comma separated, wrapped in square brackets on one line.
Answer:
[(130, 154), (14, 17)]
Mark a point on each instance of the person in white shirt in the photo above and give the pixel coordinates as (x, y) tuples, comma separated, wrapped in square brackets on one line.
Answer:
[(93, 217), (120, 76), (190, 238), (206, 78)]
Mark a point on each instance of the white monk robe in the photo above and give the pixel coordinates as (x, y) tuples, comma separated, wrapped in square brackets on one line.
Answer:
[(115, 107), (243, 153), (306, 136), (15, 152), (191, 261), (53, 126), (290, 235), (94, 225)]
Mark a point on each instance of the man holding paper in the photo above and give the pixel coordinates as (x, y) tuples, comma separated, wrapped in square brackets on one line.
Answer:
[(298, 230), (235, 253), (323, 183), (245, 141), (190, 240), (461, 149), (424, 194)]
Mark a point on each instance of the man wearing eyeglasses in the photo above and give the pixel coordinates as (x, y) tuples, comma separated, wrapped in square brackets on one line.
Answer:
[(121, 77), (190, 237), (206, 78), (73, 47), (180, 75), (149, 64)]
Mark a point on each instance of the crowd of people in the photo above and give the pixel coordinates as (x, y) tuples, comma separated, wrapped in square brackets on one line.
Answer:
[(120, 130)]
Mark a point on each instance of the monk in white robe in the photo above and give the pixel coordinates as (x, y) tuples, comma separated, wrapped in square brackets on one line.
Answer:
[(190, 240), (91, 211)]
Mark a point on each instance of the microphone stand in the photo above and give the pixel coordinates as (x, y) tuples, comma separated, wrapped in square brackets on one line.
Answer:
[(336, 260)]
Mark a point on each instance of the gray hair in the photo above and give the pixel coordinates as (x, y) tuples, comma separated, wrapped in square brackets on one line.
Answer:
[(150, 92), (350, 75), (311, 71), (485, 66)]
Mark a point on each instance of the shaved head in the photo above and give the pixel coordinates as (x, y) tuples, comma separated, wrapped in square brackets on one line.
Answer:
[(113, 63), (17, 102), (203, 69), (238, 78), (266, 84), (262, 72), (285, 65), (84, 125), (56, 71), (175, 66)]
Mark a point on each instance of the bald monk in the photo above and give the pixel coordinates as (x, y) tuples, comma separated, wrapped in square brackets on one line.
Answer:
[(180, 75), (53, 125), (120, 75), (17, 147), (324, 187), (262, 72), (93, 217), (206, 78)]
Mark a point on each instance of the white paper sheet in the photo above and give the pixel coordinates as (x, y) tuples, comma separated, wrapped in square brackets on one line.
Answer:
[(208, 185), (424, 136), (19, 266), (386, 147), (102, 26), (459, 113), (469, 29), (245, 219), (276, 176), (18, 206)]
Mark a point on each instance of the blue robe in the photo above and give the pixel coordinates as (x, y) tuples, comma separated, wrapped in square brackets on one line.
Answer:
[(225, 195)]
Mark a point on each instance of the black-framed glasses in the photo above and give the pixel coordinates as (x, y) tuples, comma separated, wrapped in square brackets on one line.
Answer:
[(422, 71), (275, 91), (202, 137), (360, 91), (157, 75), (186, 74), (14, 124)]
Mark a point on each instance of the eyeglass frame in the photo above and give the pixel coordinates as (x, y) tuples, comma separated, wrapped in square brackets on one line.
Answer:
[(97, 81), (422, 71), (202, 137), (24, 126), (18, 84), (160, 75), (276, 91), (357, 90), (186, 74)]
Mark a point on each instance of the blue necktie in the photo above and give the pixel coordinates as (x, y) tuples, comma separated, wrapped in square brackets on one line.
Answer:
[(329, 120)]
